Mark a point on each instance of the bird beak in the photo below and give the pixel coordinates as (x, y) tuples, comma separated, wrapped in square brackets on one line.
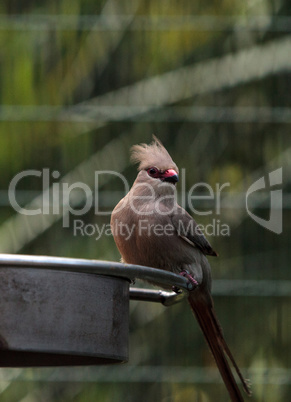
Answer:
[(171, 176)]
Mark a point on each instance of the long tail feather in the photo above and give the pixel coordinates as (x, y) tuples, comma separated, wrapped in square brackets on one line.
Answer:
[(214, 337)]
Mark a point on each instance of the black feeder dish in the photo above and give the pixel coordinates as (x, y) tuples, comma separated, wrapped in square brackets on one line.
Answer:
[(69, 312)]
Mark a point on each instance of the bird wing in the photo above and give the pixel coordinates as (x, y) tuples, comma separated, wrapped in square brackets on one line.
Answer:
[(189, 231)]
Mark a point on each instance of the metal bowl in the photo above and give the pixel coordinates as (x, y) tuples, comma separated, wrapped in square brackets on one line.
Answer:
[(57, 311), (58, 318)]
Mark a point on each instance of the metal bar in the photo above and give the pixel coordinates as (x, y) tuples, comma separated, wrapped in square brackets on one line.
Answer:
[(221, 287), (110, 268), (157, 296), (130, 373), (251, 287), (143, 113), (102, 23)]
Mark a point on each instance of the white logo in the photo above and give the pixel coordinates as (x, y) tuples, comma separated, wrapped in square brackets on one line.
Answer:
[(274, 223)]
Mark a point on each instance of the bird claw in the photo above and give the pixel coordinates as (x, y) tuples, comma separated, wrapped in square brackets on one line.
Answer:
[(190, 278)]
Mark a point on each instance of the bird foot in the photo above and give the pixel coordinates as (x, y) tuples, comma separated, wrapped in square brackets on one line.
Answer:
[(190, 278)]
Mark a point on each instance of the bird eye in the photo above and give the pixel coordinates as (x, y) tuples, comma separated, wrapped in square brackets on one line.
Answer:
[(153, 171)]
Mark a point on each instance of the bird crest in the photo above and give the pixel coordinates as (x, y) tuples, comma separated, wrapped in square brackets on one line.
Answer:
[(154, 154)]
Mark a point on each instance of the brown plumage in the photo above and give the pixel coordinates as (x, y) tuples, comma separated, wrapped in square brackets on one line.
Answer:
[(151, 229)]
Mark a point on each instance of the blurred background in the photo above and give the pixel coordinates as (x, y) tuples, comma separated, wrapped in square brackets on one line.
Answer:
[(82, 81)]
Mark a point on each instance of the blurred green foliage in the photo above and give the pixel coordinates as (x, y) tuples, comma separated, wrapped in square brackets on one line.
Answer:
[(57, 54)]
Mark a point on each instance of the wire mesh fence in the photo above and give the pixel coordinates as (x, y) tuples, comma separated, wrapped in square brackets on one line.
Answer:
[(81, 82)]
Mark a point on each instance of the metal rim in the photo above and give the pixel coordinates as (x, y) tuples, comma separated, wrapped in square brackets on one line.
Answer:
[(109, 268)]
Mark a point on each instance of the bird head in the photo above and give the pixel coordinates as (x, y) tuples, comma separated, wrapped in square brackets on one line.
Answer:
[(155, 164)]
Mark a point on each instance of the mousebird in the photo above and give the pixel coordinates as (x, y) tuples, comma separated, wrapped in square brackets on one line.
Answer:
[(151, 229)]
